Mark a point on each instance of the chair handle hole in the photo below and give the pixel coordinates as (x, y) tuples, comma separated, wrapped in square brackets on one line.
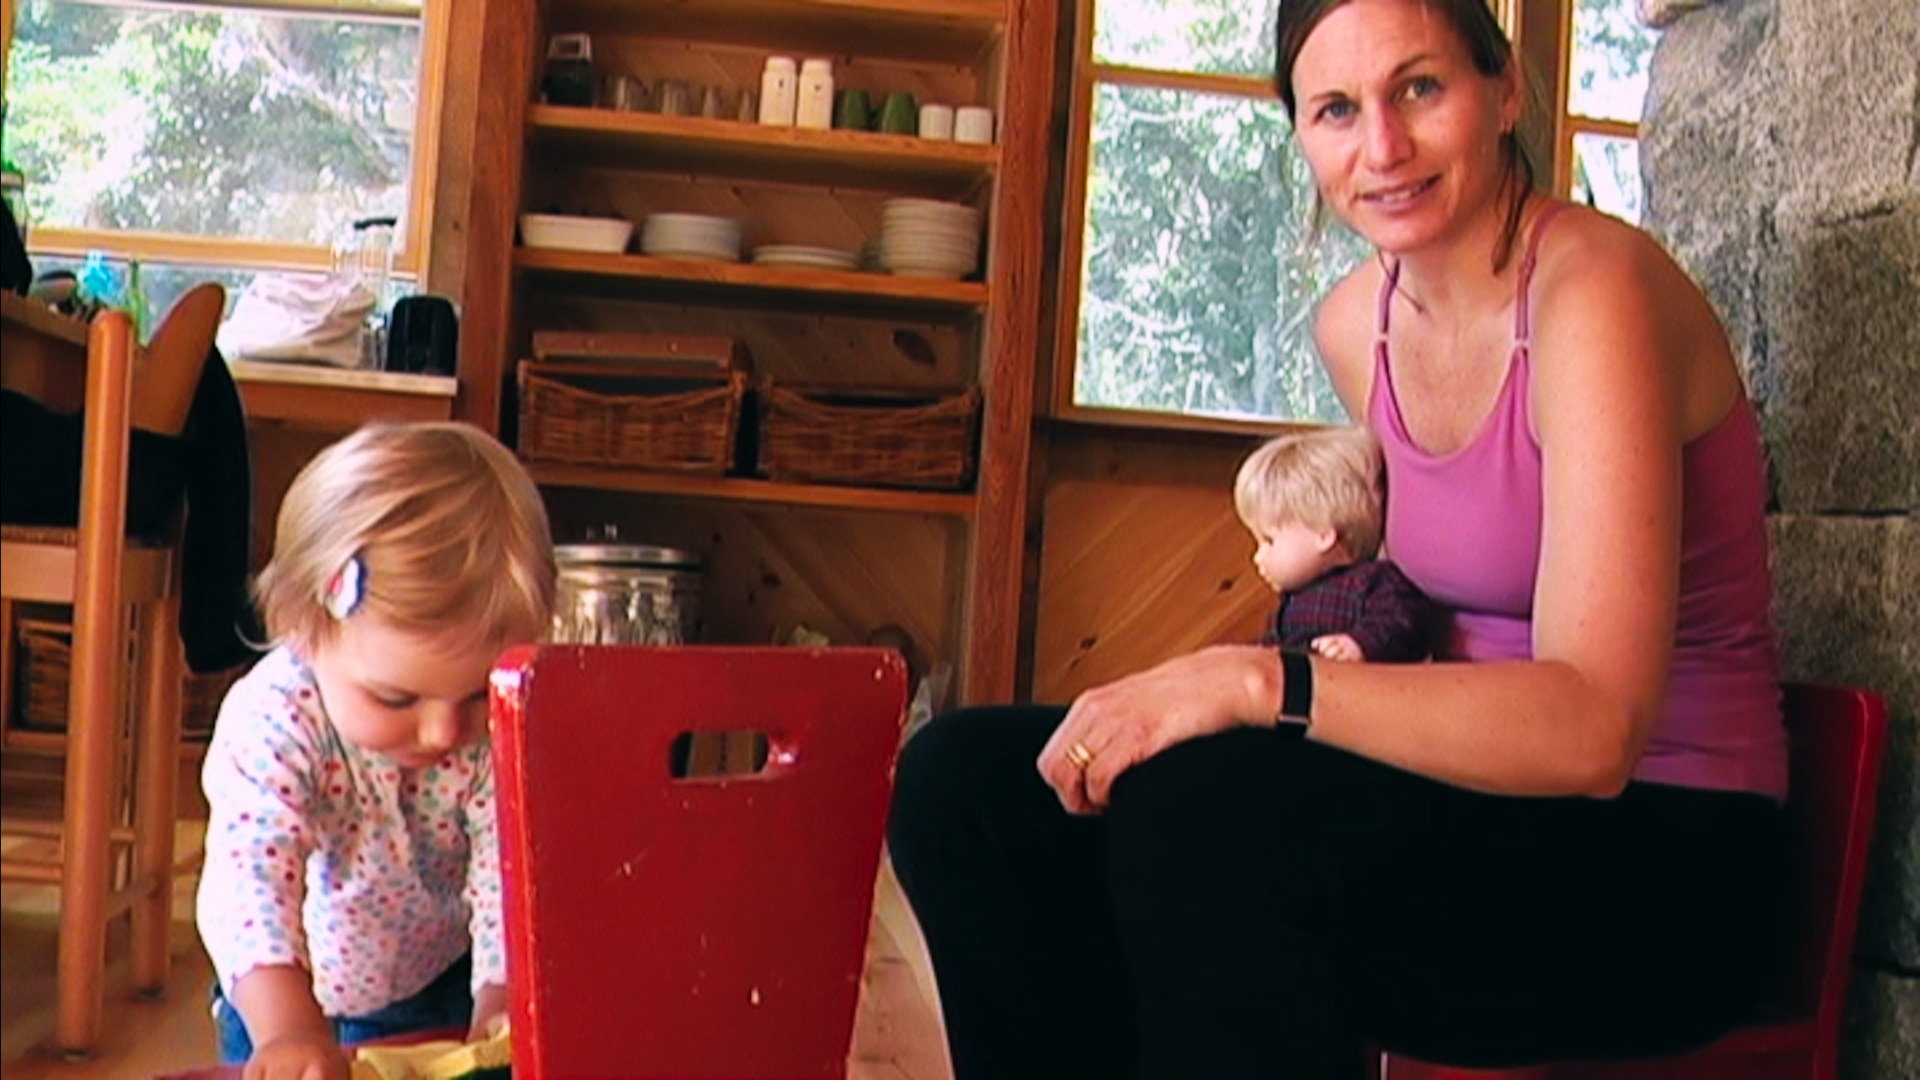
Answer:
[(702, 755)]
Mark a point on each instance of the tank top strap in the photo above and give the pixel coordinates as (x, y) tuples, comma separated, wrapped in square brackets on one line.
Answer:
[(1522, 312), (1387, 284)]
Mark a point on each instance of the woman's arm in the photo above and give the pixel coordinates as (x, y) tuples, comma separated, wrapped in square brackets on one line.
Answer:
[(1621, 364)]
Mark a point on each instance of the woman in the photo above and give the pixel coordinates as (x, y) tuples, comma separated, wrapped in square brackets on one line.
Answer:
[(1562, 840)]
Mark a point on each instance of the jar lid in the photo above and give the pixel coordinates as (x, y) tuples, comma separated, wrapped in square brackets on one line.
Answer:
[(816, 66), (780, 63), (623, 555)]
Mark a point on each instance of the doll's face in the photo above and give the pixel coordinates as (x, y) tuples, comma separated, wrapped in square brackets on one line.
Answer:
[(1289, 554), (410, 697)]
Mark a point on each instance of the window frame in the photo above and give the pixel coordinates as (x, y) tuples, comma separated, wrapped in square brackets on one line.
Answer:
[(1087, 76), (413, 249)]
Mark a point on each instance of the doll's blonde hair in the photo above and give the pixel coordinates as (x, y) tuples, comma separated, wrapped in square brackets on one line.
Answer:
[(1327, 478), (449, 531)]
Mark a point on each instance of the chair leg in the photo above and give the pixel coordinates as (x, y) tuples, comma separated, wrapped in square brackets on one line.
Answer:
[(92, 725), (155, 795)]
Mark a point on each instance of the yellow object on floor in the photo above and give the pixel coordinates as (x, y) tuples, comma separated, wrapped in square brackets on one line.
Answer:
[(433, 1060)]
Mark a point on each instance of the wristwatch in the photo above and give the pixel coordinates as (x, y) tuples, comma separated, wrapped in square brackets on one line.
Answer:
[(1296, 691)]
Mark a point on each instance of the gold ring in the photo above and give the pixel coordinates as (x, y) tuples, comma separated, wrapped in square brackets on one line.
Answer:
[(1079, 755)]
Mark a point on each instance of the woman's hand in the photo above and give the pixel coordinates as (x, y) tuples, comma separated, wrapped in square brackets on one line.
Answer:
[(298, 1056), (1111, 728)]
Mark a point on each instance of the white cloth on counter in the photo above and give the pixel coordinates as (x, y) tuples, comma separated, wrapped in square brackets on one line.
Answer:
[(289, 316)]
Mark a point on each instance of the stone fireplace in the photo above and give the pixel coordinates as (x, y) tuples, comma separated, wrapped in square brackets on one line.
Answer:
[(1781, 151)]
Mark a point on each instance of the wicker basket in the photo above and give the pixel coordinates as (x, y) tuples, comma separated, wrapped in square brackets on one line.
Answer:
[(46, 661), (610, 417), (46, 668), (869, 437)]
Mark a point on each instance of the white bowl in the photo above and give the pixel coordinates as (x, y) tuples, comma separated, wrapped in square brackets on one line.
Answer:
[(565, 232)]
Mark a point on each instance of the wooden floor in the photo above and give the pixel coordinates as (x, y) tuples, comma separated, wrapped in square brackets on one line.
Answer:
[(896, 1032)]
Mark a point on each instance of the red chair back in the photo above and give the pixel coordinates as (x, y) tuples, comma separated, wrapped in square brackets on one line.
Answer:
[(1837, 737), (682, 927)]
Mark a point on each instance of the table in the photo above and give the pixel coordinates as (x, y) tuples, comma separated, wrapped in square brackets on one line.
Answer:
[(44, 353), (316, 395)]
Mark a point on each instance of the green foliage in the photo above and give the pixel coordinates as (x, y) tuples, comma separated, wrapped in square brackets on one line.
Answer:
[(214, 124)]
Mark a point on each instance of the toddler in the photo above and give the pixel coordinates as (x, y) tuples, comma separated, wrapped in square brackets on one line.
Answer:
[(352, 881), (1314, 503)]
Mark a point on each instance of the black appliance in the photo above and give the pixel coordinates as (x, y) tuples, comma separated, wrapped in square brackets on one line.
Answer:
[(423, 336)]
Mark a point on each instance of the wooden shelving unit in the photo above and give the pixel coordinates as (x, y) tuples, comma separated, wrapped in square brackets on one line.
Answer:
[(741, 490), (939, 31), (946, 566), (859, 288), (725, 148)]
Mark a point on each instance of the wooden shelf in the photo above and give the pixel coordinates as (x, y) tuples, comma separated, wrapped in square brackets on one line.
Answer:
[(337, 398), (700, 147), (859, 289), (737, 489), (956, 31)]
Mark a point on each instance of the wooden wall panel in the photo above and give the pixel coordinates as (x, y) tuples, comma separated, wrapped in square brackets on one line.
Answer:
[(1142, 557), (768, 569)]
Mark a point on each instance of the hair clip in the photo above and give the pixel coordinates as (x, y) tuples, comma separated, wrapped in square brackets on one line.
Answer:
[(348, 589)]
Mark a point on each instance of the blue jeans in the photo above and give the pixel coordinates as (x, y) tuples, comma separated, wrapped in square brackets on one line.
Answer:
[(447, 1002)]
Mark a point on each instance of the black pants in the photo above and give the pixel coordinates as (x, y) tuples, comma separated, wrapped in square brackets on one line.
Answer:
[(1254, 905)]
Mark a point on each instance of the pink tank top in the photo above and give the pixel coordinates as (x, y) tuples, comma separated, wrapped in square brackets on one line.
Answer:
[(1465, 527)]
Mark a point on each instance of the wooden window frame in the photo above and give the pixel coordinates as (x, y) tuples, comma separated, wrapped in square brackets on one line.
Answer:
[(1543, 30), (413, 253)]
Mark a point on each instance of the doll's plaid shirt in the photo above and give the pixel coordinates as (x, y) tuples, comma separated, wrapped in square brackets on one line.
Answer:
[(1372, 601)]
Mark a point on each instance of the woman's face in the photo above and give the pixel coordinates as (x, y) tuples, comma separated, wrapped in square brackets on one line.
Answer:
[(1402, 133)]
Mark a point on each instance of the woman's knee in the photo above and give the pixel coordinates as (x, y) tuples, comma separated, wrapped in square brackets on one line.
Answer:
[(965, 767)]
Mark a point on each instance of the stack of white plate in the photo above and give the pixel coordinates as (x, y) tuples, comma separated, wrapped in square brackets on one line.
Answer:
[(929, 239), (816, 258), (691, 236)]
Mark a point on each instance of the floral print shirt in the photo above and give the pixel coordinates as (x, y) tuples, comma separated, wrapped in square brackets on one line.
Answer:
[(374, 877)]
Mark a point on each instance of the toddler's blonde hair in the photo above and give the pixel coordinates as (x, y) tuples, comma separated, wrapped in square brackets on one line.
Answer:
[(450, 531), (1327, 478)]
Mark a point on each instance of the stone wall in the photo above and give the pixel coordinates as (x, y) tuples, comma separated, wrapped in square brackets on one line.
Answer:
[(1781, 150)]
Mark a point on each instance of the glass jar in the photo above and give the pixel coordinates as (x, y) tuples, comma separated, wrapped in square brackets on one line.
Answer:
[(626, 594)]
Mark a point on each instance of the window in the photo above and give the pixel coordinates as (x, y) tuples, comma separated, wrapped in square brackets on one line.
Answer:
[(221, 133), (1191, 265), (1604, 88)]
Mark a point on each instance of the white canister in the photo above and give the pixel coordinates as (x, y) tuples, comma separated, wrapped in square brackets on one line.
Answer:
[(814, 109), (778, 92), (973, 124), (936, 121)]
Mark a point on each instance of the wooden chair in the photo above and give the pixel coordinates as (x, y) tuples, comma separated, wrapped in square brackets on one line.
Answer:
[(1838, 736), (112, 582), (668, 920)]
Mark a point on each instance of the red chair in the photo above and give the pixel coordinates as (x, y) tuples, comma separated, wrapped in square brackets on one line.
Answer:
[(1837, 736), (710, 924)]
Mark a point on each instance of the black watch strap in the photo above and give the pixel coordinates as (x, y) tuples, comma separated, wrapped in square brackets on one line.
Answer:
[(1296, 692)]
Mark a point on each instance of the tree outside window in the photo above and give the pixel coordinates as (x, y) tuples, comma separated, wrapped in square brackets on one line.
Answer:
[(236, 133), (1198, 258)]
